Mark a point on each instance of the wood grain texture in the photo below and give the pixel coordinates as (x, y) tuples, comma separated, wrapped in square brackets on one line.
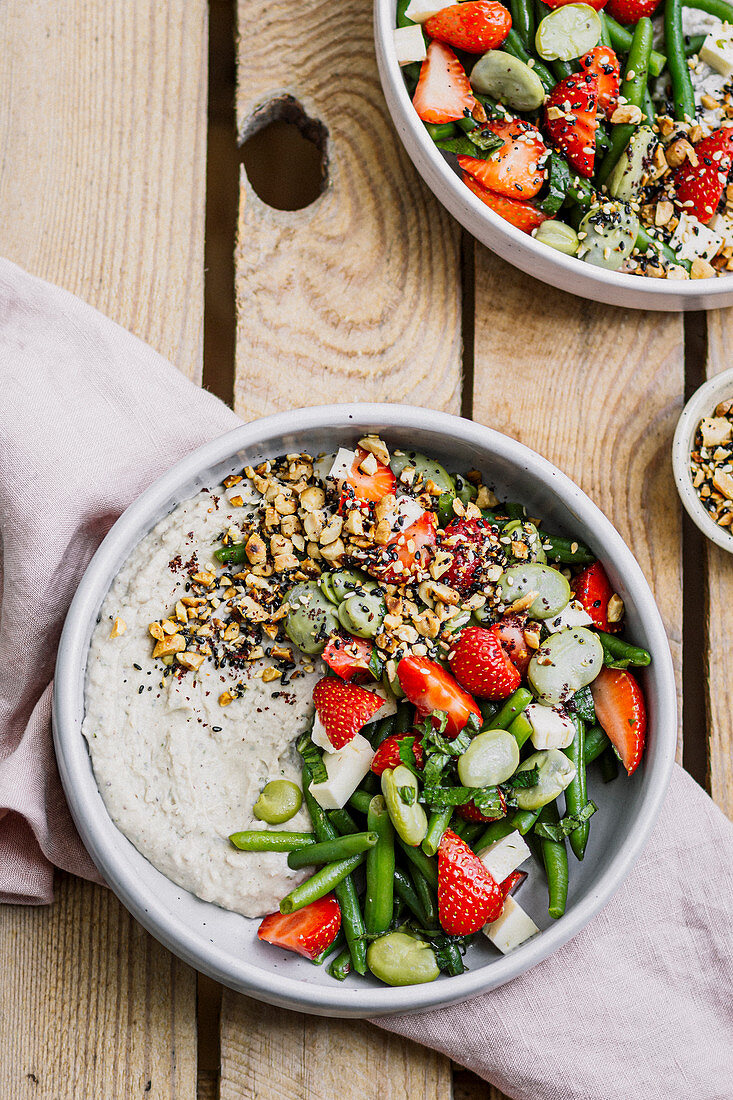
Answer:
[(359, 294), (597, 391), (271, 1054), (102, 169), (102, 132), (719, 659)]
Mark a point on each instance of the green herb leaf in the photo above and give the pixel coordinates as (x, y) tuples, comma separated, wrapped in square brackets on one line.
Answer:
[(407, 754), (567, 825), (479, 144), (312, 757), (582, 704), (376, 667), (528, 778), (486, 799), (408, 795)]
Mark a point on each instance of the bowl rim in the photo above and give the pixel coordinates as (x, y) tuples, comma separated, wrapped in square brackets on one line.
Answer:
[(101, 836), (702, 400), (651, 290)]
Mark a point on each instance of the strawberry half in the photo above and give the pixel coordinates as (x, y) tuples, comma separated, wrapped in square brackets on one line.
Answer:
[(631, 11), (471, 542), (468, 896), (407, 553), (348, 656), (308, 931), (388, 753), (469, 812), (699, 189), (621, 712), (592, 589), (602, 61), (443, 93), (571, 120), (364, 486), (510, 632), (520, 214), (429, 688), (343, 709), (511, 882), (474, 26), (516, 169), (481, 664)]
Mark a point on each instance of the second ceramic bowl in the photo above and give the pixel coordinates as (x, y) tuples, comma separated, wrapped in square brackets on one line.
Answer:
[(702, 403)]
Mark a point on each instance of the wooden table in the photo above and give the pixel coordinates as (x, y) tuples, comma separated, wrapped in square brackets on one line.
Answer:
[(371, 292)]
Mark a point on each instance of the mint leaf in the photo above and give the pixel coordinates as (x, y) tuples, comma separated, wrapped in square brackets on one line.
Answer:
[(312, 758), (528, 778), (582, 704), (486, 799), (408, 795), (407, 754), (480, 147), (375, 664), (567, 825)]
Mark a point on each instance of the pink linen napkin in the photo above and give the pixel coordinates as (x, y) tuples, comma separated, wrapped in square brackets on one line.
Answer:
[(639, 1004)]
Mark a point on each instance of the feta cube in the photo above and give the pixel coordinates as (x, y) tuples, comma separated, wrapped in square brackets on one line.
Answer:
[(420, 10), (717, 50), (552, 728), (409, 45), (572, 615), (512, 928), (693, 240), (346, 768), (723, 226), (319, 736), (505, 855), (342, 464)]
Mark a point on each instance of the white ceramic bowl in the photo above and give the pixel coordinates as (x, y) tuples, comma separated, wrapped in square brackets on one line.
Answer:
[(225, 945), (701, 404), (520, 249)]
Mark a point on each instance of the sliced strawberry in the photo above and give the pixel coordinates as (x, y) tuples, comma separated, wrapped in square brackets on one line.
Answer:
[(408, 553), (597, 5), (510, 632), (469, 812), (388, 753), (621, 712), (521, 214), (631, 11), (475, 26), (429, 688), (593, 589), (468, 896), (368, 486), (308, 931), (343, 709), (443, 93), (481, 664), (700, 187), (511, 882), (348, 656), (473, 544), (571, 121), (602, 61), (517, 168)]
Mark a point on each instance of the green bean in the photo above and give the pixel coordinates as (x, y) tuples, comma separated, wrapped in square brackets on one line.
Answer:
[(493, 832), (596, 742), (404, 717), (360, 801), (427, 867), (521, 729), (265, 840), (341, 965), (557, 548), (621, 38), (320, 884), (609, 765), (234, 554), (352, 920), (555, 859), (337, 944), (683, 95), (460, 828), (645, 241), (605, 33), (620, 650), (332, 851), (427, 900), (633, 86), (438, 823), (693, 42), (383, 729), (576, 794), (440, 131), (467, 124), (445, 508), (513, 44), (344, 822), (562, 69), (523, 20), (718, 8), (488, 710), (523, 820), (405, 890), (400, 17), (603, 140), (648, 106), (380, 870), (370, 784), (514, 706)]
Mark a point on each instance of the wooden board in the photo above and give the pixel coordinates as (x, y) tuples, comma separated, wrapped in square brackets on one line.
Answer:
[(102, 130), (719, 660)]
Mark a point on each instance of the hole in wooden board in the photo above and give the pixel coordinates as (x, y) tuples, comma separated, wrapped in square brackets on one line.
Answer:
[(285, 155)]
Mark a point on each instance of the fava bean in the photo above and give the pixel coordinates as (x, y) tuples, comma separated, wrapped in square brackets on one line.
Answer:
[(608, 233), (529, 535), (555, 773), (563, 664), (279, 801), (508, 79), (311, 618), (568, 32), (558, 235), (427, 468), (344, 582), (399, 959), (362, 614), (490, 759), (409, 819), (553, 590)]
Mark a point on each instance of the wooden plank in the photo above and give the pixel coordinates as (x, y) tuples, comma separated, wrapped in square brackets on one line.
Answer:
[(596, 390), (103, 116), (277, 1055), (349, 298), (358, 295), (719, 659)]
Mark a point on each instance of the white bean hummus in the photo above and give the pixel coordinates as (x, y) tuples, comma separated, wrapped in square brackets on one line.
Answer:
[(178, 771)]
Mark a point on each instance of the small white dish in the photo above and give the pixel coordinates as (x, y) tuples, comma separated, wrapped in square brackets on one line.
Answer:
[(702, 403)]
